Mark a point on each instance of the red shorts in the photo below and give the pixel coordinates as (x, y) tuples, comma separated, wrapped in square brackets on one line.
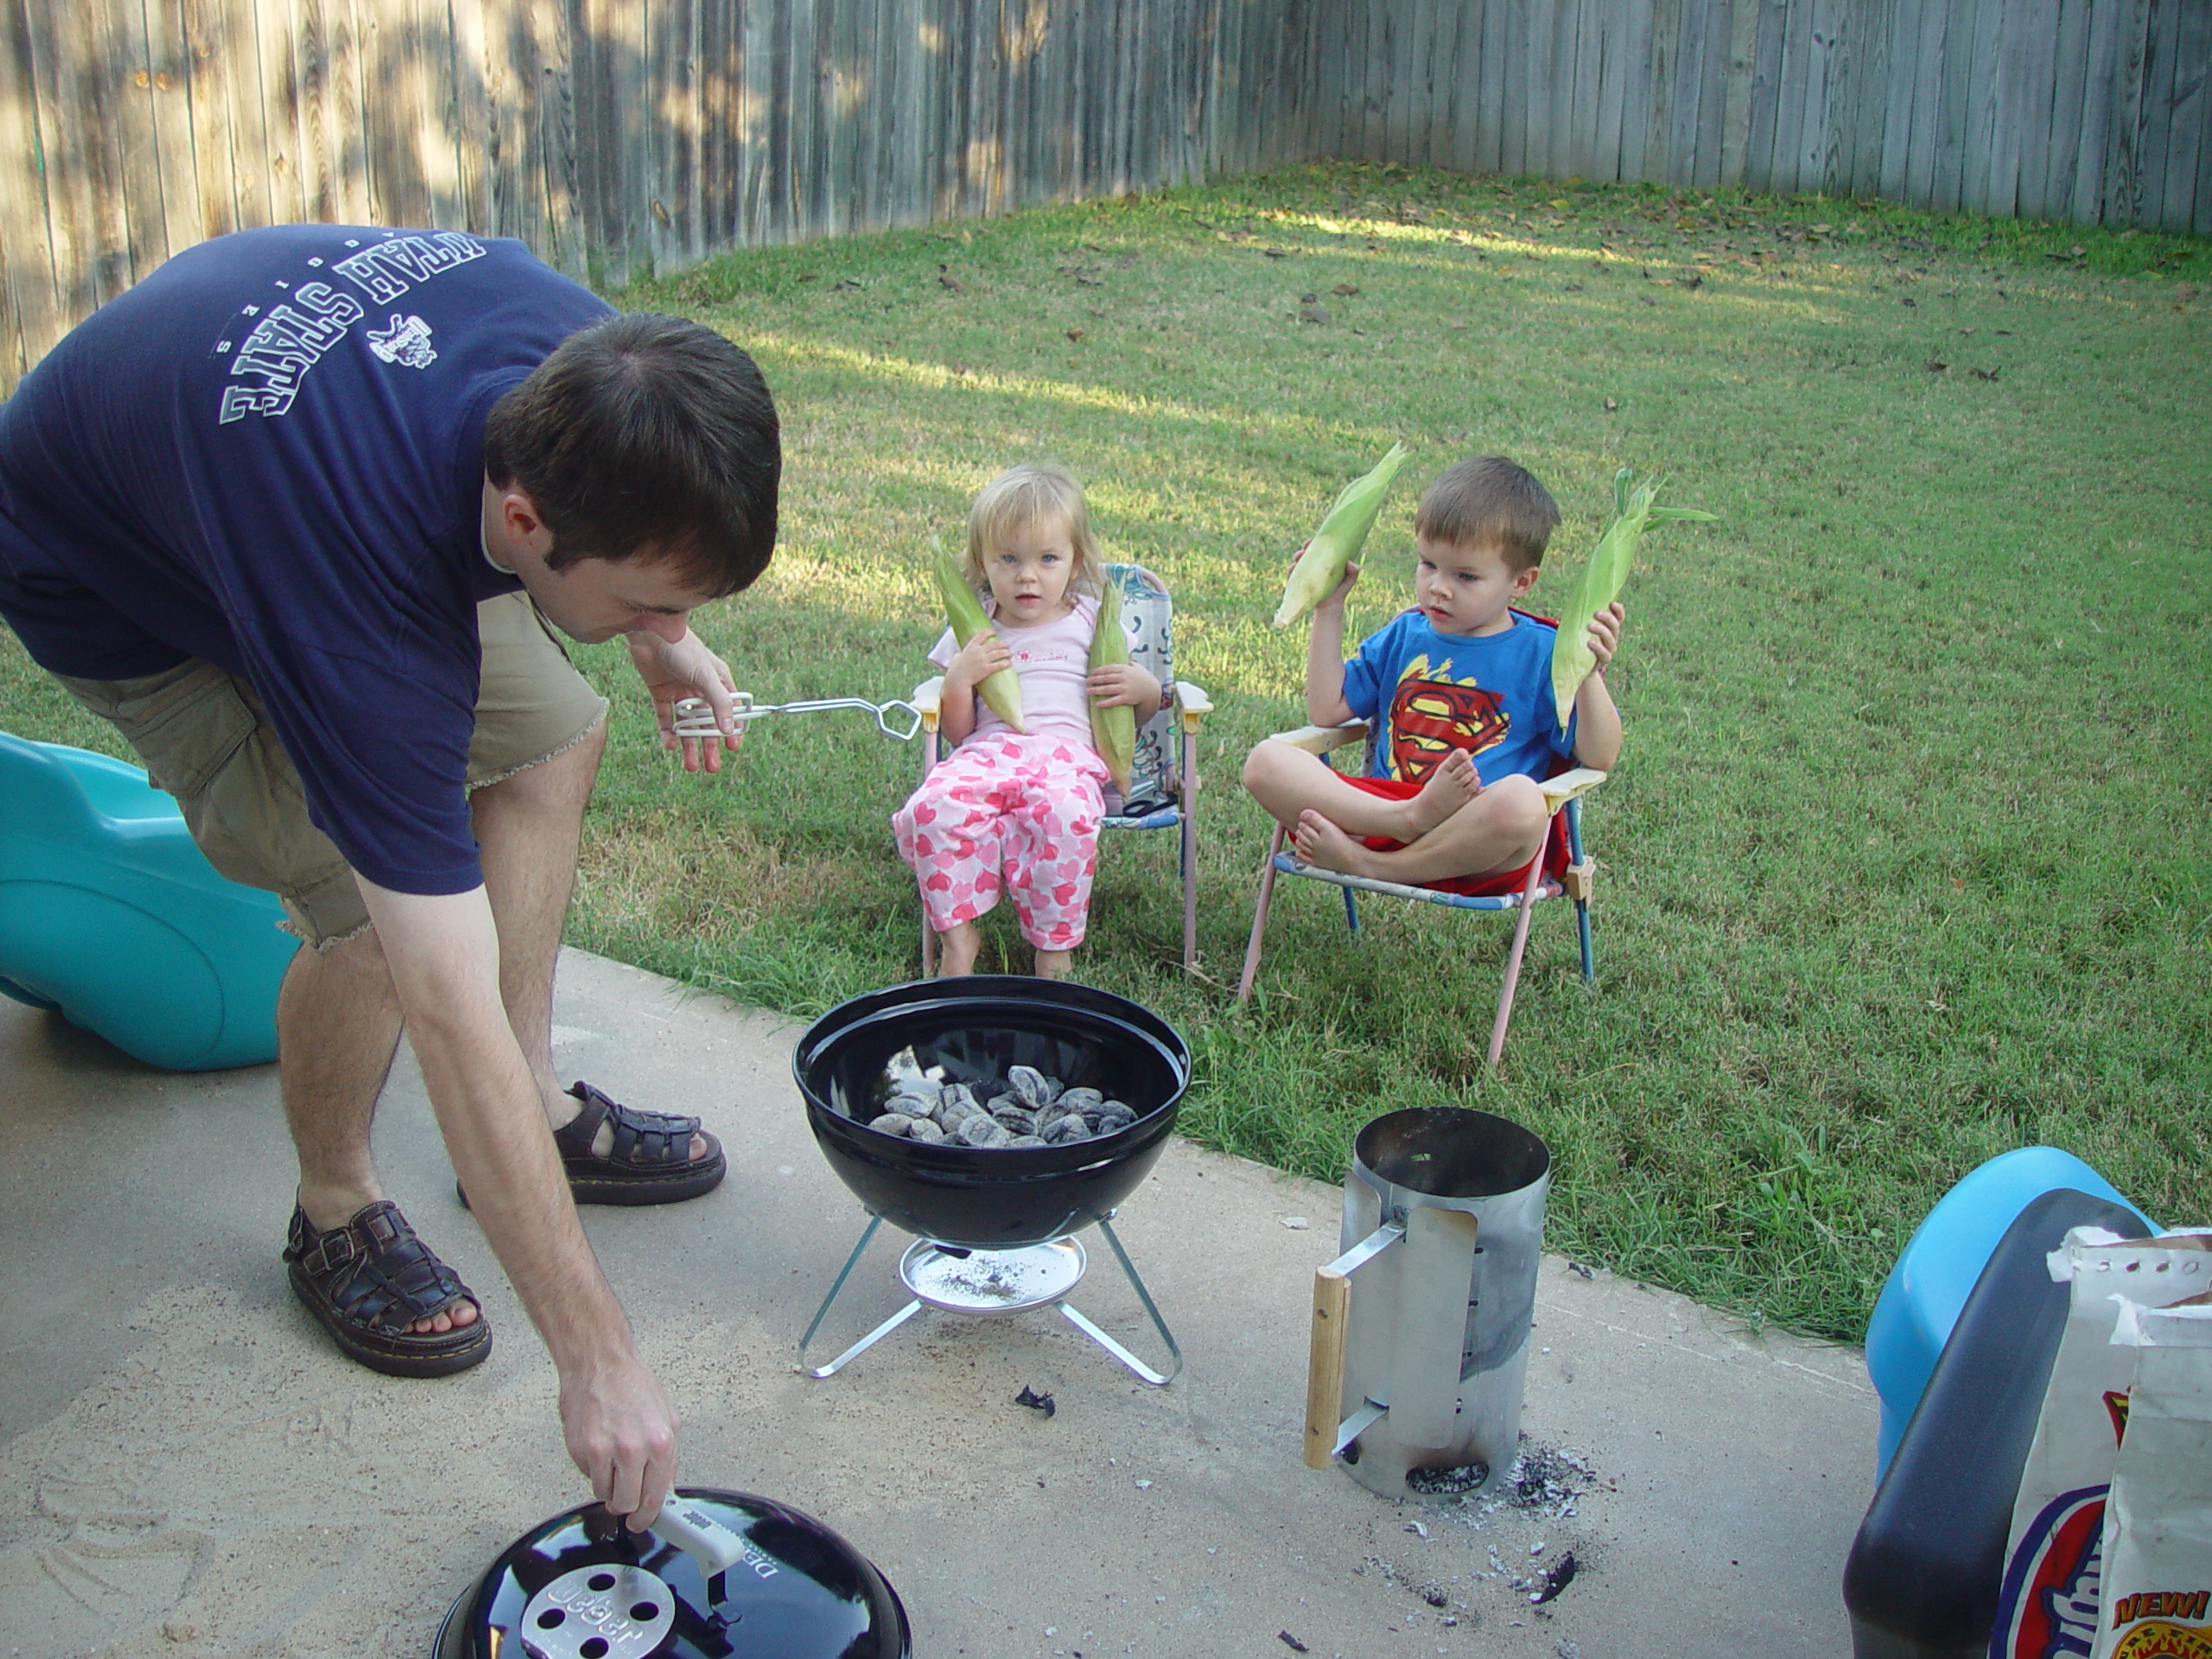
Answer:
[(1471, 886)]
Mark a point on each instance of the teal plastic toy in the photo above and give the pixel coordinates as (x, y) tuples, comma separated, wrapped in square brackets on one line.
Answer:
[(109, 914)]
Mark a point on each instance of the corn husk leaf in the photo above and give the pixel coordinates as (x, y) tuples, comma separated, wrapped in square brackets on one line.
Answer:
[(1338, 542), (964, 613), (1635, 510), (1113, 731)]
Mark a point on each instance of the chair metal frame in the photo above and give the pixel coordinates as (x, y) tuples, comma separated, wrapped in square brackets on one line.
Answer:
[(1183, 703), (1563, 794)]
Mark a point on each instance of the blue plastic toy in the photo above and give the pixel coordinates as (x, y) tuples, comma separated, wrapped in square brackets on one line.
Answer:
[(109, 914), (1919, 1301)]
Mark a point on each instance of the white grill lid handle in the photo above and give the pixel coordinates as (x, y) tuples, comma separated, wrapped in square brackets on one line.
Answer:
[(696, 1532)]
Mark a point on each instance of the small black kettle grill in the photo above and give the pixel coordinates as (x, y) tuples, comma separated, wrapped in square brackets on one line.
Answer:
[(722, 1575), (994, 1226)]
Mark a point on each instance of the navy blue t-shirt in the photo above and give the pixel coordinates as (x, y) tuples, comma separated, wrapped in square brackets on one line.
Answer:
[(1423, 694), (268, 454)]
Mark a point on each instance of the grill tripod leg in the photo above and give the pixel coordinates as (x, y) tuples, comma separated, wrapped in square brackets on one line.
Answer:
[(821, 1312), (1144, 1372)]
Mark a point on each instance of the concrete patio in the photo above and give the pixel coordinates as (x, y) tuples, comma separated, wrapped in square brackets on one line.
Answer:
[(187, 1468)]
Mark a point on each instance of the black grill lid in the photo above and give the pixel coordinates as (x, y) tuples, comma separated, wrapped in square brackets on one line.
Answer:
[(583, 1586)]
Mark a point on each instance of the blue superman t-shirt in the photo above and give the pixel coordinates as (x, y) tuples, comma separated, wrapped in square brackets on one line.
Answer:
[(269, 456), (1424, 693)]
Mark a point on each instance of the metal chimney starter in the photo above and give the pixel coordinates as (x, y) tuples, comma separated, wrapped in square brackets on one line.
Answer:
[(1443, 1224)]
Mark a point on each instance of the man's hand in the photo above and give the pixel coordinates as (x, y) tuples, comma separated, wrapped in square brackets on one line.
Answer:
[(685, 668), (620, 1430)]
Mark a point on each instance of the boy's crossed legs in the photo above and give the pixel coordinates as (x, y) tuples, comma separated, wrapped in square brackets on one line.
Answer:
[(1454, 827)]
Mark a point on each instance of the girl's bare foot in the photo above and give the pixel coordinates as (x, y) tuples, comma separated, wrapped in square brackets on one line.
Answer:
[(1320, 843), (1442, 792)]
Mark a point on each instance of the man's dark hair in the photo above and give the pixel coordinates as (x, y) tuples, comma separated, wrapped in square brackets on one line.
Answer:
[(1488, 500), (646, 433)]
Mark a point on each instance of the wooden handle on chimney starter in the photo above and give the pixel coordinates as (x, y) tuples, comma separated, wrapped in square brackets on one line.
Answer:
[(1325, 1365)]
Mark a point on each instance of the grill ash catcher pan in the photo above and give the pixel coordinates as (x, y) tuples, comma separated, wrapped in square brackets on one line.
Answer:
[(722, 1575), (993, 1222)]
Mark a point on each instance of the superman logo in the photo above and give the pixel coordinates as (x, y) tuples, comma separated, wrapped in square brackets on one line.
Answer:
[(1431, 718)]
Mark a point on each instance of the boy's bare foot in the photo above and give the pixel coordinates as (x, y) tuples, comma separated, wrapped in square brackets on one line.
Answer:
[(1442, 792), (1320, 843)]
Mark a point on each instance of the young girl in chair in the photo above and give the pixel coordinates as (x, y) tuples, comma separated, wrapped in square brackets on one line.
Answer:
[(1007, 809)]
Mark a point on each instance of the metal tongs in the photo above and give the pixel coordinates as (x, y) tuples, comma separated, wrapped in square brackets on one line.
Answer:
[(694, 717)]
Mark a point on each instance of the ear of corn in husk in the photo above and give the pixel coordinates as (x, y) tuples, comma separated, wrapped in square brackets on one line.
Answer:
[(1113, 731), (1321, 567), (1635, 510), (964, 613)]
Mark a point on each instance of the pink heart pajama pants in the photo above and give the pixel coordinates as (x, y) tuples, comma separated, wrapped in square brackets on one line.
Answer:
[(1011, 811)]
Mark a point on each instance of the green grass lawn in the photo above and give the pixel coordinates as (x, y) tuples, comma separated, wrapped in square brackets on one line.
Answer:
[(1906, 861)]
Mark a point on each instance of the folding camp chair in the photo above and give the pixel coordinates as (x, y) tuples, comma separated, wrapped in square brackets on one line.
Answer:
[(1164, 775), (1560, 871)]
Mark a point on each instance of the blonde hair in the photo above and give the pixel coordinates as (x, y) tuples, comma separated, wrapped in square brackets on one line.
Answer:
[(1021, 496)]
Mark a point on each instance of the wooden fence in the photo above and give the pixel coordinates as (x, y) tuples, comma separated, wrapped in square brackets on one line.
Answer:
[(2089, 110), (616, 136)]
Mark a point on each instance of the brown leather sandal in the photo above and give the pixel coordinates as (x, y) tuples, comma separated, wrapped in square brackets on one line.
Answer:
[(371, 1278), (650, 1161)]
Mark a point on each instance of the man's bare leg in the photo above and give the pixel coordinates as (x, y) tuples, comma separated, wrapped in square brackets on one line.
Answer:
[(337, 1028), (1502, 829), (529, 826), (1288, 781)]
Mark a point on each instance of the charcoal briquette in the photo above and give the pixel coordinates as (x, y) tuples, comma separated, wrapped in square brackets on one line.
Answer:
[(892, 1123), (1030, 1086), (926, 1130), (981, 1129)]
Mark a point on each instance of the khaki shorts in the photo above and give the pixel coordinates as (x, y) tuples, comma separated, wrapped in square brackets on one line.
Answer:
[(204, 738)]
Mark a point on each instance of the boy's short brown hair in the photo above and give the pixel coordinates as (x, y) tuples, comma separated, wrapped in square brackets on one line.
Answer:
[(1487, 500)]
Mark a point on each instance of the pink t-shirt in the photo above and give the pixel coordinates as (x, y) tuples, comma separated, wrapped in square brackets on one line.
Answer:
[(1052, 662)]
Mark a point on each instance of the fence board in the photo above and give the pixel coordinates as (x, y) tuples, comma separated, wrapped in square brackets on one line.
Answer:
[(35, 315), (1640, 67), (1897, 108), (1874, 78), (1449, 25), (1984, 77), (90, 260), (1676, 25), (210, 207), (2035, 91), (1955, 97), (2183, 207), (1557, 159), (168, 66), (2122, 199), (2009, 97), (1502, 26), (2062, 142), (1409, 47), (2159, 93), (1617, 46), (1765, 91)]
